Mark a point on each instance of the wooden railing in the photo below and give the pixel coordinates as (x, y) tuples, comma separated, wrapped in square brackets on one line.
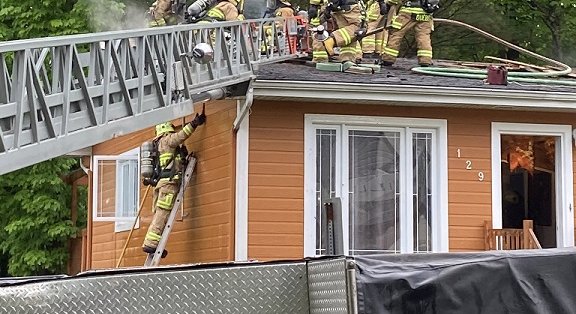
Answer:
[(511, 239)]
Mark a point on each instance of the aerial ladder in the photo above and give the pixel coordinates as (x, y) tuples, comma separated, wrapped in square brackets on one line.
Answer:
[(62, 94)]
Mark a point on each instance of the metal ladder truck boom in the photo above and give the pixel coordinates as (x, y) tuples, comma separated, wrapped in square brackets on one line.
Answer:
[(62, 94)]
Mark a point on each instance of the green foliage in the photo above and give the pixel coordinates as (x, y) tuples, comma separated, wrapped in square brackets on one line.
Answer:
[(35, 224), (20, 19), (551, 24)]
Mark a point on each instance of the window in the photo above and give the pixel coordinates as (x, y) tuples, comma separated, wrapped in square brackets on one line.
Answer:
[(116, 189), (390, 176)]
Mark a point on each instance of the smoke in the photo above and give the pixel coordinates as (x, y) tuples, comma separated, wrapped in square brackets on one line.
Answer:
[(135, 15), (110, 15)]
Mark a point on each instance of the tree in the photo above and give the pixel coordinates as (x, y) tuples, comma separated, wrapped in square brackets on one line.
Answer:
[(552, 21), (35, 223), (20, 19)]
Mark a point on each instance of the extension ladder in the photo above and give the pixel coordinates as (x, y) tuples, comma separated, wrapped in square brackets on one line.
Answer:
[(154, 259)]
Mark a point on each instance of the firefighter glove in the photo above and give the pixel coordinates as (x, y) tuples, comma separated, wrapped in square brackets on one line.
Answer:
[(313, 11), (384, 8), (199, 119)]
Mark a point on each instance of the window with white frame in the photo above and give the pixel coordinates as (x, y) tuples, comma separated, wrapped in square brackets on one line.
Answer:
[(117, 188), (391, 177)]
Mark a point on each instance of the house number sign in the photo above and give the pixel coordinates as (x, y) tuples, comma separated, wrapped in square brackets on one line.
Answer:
[(469, 165)]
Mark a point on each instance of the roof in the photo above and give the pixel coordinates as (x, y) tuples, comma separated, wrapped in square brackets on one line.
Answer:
[(398, 83), (398, 74)]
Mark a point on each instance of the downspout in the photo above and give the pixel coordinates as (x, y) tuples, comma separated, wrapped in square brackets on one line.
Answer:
[(244, 109), (240, 128), (89, 223)]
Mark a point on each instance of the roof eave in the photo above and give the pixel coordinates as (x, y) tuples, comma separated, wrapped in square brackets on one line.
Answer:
[(415, 95)]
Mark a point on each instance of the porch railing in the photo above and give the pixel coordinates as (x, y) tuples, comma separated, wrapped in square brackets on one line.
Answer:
[(511, 239)]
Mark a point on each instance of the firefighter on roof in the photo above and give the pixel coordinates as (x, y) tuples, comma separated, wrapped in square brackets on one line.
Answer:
[(417, 15), (275, 8), (206, 11), (166, 12), (372, 44), (170, 156), (160, 14), (348, 18), (283, 8), (317, 18)]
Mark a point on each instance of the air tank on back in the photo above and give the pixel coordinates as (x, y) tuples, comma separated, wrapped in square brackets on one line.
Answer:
[(146, 159)]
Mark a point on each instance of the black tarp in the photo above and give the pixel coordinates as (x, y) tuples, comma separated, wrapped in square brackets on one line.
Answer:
[(527, 281)]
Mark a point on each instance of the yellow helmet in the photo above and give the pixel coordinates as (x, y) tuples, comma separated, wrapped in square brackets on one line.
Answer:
[(164, 128)]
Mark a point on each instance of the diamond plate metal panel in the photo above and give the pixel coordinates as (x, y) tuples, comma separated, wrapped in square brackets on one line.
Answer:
[(327, 286), (278, 288)]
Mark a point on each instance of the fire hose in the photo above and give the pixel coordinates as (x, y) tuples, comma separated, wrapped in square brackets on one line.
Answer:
[(529, 77)]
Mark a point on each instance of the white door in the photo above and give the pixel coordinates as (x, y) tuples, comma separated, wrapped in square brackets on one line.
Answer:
[(532, 179)]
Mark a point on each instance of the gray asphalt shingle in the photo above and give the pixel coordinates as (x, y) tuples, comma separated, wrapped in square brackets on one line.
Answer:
[(398, 74)]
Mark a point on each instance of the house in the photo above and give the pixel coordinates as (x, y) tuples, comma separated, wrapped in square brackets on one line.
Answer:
[(419, 164)]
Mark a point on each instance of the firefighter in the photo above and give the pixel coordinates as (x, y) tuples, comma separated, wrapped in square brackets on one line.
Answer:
[(348, 18), (372, 44), (417, 15), (206, 11), (169, 151), (363, 24), (276, 8), (160, 14), (226, 10), (284, 9), (315, 12)]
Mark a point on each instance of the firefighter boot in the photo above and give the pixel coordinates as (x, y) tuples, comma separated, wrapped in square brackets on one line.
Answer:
[(155, 229), (329, 44), (150, 250)]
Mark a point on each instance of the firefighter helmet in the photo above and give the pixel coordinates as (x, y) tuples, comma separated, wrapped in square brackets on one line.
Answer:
[(164, 128)]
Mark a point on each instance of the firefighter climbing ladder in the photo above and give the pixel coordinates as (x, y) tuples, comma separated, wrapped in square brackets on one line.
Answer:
[(62, 94), (154, 259)]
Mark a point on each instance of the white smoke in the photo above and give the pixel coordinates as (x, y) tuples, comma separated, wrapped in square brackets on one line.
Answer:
[(135, 15), (109, 15)]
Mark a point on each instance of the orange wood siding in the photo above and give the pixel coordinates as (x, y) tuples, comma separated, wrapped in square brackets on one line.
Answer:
[(276, 178), (205, 233), (276, 169)]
